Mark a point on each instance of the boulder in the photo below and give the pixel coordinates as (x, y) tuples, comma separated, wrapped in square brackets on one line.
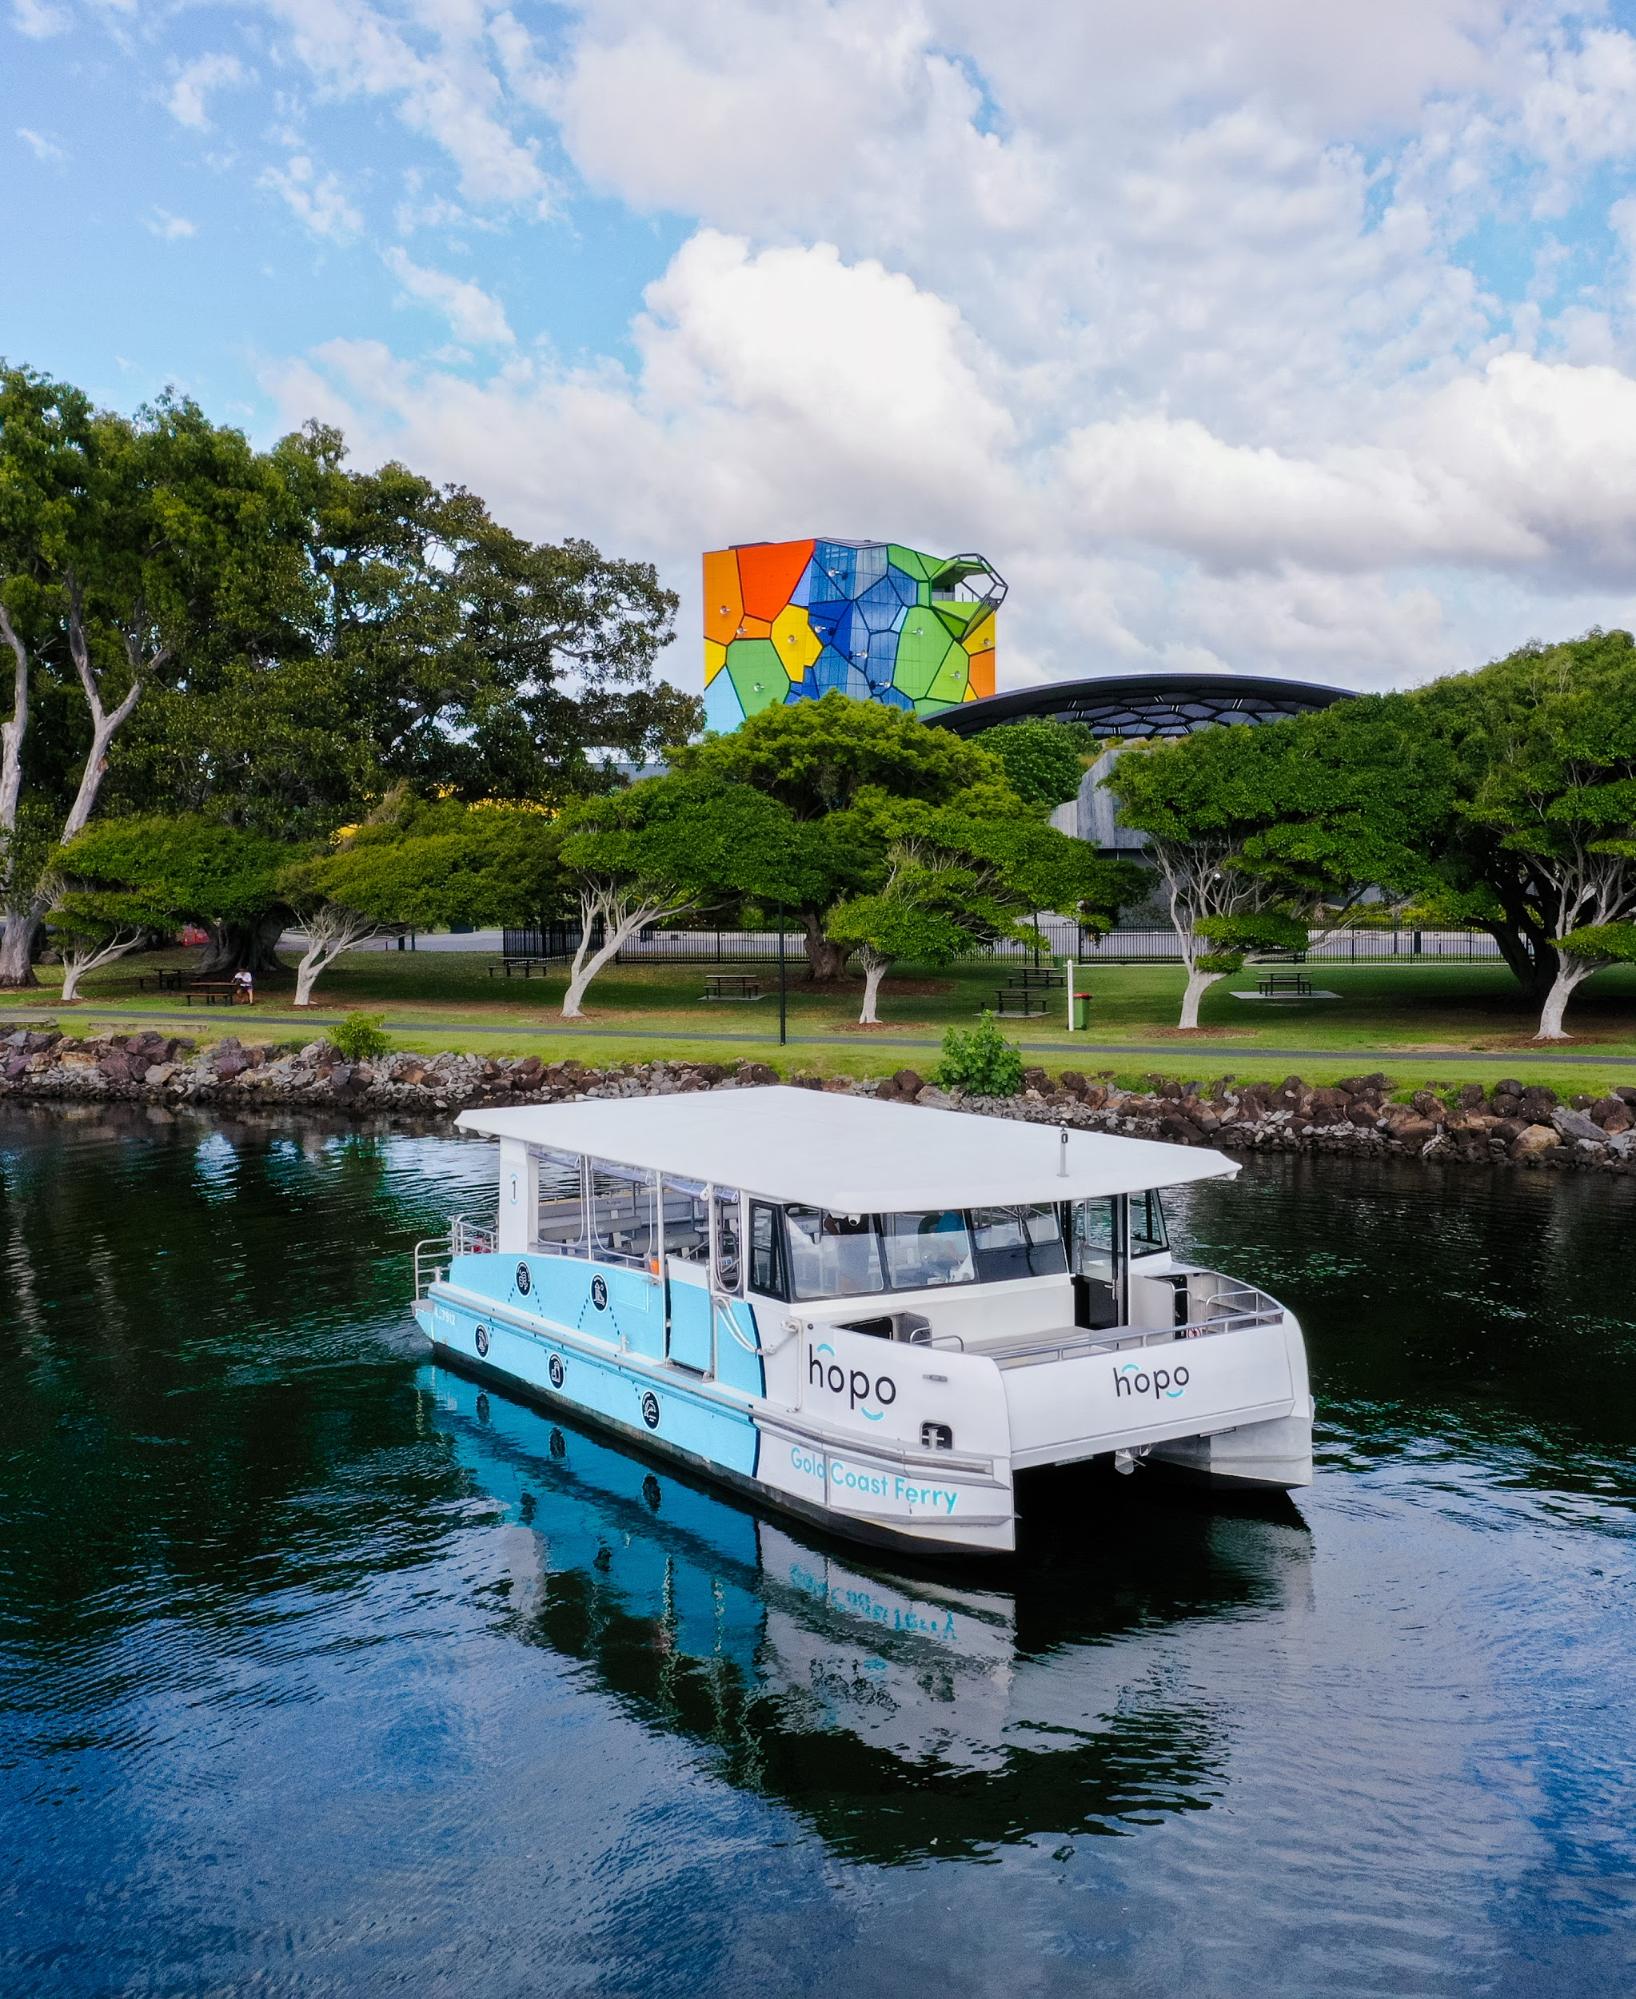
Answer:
[(1415, 1133), (1533, 1140), (908, 1084), (1575, 1125)]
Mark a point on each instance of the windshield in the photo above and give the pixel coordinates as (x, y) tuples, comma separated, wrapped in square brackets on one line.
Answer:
[(846, 1256)]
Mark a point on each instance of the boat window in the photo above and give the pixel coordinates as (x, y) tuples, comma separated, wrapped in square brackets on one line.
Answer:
[(622, 1205), (927, 1249), (559, 1226), (1018, 1242), (833, 1256), (1148, 1234), (1094, 1238), (685, 1207), (729, 1239), (766, 1251)]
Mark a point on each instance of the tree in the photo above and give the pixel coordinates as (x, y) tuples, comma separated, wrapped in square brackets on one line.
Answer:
[(967, 874), (1548, 812), (668, 847), (1508, 858), (814, 758), (132, 877), (121, 541), (1257, 832), (1044, 761), (414, 866)]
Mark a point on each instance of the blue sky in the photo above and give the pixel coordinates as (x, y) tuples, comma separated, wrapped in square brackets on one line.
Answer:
[(1275, 337)]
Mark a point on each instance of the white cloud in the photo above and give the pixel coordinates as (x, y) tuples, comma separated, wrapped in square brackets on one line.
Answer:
[(186, 102), (38, 19), (318, 200), (43, 149), (171, 228), (473, 315), (445, 90)]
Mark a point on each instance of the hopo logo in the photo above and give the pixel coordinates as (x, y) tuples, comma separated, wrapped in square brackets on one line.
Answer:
[(857, 1386), (1161, 1381)]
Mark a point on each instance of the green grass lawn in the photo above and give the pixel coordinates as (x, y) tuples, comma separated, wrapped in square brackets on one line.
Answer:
[(1406, 1016)]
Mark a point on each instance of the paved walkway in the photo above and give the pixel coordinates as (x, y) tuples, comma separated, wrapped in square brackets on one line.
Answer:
[(1364, 1060)]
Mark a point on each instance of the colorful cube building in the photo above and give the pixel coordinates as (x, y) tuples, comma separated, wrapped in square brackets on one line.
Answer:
[(789, 620)]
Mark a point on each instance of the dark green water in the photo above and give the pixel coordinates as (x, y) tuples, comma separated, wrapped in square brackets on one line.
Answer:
[(322, 1673)]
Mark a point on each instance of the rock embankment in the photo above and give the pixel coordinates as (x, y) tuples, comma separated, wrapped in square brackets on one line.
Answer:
[(1510, 1125)]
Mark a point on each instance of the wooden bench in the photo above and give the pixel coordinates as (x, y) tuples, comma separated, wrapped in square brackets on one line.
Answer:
[(211, 990), (732, 986), (1285, 985)]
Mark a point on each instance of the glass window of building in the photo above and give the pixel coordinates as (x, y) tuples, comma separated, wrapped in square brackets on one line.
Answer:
[(560, 1216), (1018, 1242), (622, 1211), (927, 1249)]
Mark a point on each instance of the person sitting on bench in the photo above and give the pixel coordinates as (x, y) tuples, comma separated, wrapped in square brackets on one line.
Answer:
[(244, 985)]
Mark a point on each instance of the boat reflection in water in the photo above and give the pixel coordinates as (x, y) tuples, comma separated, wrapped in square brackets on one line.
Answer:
[(899, 1715)]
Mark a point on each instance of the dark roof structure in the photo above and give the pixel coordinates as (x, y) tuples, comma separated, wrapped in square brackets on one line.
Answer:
[(1143, 705)]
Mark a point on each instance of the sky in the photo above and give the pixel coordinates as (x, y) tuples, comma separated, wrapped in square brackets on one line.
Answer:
[(1278, 336)]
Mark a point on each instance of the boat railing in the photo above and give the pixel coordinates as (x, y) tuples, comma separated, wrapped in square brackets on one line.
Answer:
[(433, 1256), (1230, 1308)]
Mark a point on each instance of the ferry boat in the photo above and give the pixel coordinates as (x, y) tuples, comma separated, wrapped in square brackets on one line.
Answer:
[(874, 1316)]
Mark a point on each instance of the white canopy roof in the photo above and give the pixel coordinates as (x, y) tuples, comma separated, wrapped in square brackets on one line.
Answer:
[(851, 1155)]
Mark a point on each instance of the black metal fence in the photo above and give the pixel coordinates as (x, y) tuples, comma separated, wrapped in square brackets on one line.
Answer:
[(1056, 937)]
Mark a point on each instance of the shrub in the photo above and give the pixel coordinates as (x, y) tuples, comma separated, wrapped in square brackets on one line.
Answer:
[(359, 1037), (982, 1062)]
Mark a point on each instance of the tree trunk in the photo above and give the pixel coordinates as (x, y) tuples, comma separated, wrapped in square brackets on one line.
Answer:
[(306, 976), (588, 963), (17, 948), (1568, 976), (250, 947), (1198, 984), (872, 976), (1532, 961), (825, 958)]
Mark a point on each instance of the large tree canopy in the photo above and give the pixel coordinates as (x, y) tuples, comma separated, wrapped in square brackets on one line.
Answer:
[(814, 759), (127, 546), (275, 639), (1540, 813), (1254, 830)]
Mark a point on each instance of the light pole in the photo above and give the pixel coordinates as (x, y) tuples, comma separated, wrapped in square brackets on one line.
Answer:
[(783, 984)]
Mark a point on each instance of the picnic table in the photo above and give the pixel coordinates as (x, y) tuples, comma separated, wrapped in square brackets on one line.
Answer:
[(732, 986), (524, 965), (163, 981), (1285, 985), (1014, 1002), (1044, 977)]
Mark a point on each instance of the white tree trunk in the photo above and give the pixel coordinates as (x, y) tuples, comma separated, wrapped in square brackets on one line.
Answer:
[(873, 972), (1569, 974), (75, 964), (22, 923), (587, 963), (1198, 984), (330, 933)]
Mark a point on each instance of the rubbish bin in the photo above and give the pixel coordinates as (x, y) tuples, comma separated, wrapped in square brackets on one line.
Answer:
[(1082, 1010)]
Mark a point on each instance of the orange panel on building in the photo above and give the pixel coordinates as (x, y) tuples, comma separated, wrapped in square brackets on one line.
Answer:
[(769, 572), (723, 600)]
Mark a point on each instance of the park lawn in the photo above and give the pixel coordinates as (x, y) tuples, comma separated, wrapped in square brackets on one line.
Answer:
[(1401, 1017)]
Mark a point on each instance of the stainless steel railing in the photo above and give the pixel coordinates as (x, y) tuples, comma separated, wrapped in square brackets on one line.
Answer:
[(433, 1256)]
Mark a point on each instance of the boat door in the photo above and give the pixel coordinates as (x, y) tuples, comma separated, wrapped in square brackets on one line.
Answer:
[(686, 1207), (1100, 1261)]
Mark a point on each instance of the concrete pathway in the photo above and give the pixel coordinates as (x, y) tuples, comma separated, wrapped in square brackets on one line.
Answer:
[(1365, 1060)]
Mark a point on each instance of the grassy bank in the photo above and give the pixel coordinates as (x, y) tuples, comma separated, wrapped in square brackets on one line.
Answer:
[(1407, 1020)]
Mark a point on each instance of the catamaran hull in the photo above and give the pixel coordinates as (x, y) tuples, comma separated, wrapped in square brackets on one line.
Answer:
[(834, 1482), (1266, 1457)]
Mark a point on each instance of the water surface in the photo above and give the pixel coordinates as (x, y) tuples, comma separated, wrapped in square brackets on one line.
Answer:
[(323, 1672)]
